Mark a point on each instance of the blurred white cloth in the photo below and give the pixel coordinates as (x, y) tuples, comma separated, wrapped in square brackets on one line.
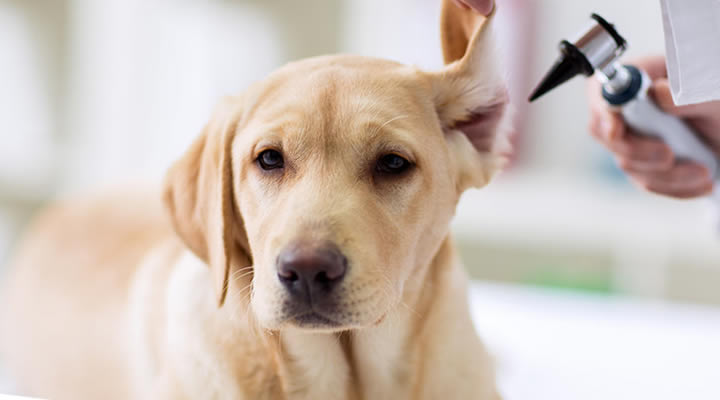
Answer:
[(692, 48), (558, 345)]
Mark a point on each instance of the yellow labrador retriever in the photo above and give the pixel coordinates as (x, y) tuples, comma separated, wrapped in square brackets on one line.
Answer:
[(311, 256)]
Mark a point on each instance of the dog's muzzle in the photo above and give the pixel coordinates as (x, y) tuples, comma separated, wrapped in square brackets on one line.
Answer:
[(311, 273)]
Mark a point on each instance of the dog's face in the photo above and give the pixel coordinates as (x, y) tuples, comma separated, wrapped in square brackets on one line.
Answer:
[(320, 192), (345, 183)]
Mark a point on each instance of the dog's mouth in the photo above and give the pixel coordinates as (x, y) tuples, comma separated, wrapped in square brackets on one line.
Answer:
[(315, 315), (330, 315), (314, 320)]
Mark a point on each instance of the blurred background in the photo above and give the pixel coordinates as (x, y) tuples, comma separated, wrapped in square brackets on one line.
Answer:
[(93, 93)]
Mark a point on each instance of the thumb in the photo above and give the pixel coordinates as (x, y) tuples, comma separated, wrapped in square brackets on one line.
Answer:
[(661, 93)]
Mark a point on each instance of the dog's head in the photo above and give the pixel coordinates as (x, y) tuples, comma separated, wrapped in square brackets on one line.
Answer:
[(317, 194)]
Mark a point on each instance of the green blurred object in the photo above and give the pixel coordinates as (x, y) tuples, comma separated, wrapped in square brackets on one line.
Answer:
[(553, 277), (582, 270)]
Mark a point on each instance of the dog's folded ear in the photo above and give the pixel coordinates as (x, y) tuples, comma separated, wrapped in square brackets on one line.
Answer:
[(470, 95), (199, 196)]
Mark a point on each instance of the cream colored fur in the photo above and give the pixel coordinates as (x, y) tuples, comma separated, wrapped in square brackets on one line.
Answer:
[(107, 300)]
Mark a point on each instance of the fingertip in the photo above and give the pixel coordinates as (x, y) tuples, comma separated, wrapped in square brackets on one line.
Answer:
[(659, 88), (643, 161), (641, 181), (615, 128), (484, 7), (700, 191), (662, 95), (624, 164), (606, 125), (691, 180), (683, 181), (461, 4), (705, 172), (594, 127), (705, 183), (692, 169), (708, 190), (665, 156), (655, 66)]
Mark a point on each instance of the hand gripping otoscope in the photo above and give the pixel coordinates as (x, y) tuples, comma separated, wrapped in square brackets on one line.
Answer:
[(625, 88)]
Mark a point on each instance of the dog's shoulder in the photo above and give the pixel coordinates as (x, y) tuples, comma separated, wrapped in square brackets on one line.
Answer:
[(178, 326)]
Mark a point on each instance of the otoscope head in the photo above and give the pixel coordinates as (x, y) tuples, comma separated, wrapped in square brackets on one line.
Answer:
[(597, 47)]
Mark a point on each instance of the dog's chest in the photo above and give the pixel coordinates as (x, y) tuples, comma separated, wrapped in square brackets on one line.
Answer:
[(374, 364), (314, 366), (384, 360)]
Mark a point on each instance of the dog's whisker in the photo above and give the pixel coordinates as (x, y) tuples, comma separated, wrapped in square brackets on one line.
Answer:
[(246, 299), (412, 310), (245, 290), (378, 130), (247, 273), (243, 270), (402, 302), (386, 123)]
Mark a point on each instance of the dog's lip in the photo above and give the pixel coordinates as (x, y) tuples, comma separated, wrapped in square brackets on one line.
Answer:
[(315, 318)]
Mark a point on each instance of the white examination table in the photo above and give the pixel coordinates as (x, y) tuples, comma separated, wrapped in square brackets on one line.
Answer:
[(557, 345)]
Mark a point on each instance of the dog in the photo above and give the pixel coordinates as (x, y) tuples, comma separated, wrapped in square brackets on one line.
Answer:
[(307, 253)]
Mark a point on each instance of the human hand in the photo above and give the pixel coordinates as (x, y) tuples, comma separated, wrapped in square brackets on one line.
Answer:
[(483, 7), (649, 162)]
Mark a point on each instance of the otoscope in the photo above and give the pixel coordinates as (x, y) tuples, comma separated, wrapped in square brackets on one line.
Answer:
[(625, 88)]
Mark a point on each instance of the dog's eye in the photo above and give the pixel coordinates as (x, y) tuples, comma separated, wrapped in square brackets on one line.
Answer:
[(270, 159), (392, 164)]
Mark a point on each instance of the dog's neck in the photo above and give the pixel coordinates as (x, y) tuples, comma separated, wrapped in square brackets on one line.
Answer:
[(386, 360)]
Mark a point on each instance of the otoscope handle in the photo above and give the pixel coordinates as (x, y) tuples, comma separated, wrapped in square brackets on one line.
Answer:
[(646, 118)]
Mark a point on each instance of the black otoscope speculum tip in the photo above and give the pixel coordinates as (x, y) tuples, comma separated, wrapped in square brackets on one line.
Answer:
[(571, 63), (601, 43)]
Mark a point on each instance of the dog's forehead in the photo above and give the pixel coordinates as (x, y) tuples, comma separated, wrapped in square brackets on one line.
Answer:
[(344, 87), (344, 98)]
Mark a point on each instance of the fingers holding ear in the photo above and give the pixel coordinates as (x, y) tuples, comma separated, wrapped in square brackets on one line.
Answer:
[(483, 7), (460, 19), (470, 95)]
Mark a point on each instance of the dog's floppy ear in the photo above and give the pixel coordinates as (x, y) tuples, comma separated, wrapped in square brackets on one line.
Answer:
[(470, 95), (199, 197)]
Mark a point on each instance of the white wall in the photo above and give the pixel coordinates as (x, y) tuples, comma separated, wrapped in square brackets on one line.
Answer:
[(145, 76), (97, 92)]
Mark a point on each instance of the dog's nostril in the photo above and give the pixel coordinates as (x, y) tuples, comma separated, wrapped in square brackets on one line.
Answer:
[(332, 272), (322, 277), (287, 276), (311, 266)]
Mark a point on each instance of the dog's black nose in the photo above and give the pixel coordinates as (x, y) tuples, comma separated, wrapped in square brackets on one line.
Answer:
[(311, 269)]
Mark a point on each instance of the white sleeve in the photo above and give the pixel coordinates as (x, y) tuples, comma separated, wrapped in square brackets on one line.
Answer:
[(692, 47)]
